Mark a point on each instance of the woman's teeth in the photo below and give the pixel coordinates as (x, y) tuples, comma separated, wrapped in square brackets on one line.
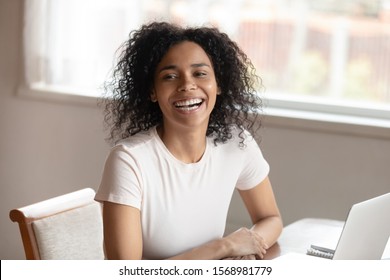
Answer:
[(189, 104)]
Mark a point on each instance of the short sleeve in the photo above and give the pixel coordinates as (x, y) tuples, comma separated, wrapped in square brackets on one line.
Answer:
[(121, 179), (255, 167)]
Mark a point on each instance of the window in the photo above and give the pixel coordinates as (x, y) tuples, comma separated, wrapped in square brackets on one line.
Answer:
[(310, 54)]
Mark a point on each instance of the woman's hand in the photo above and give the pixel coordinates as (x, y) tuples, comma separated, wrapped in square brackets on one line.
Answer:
[(245, 244), (248, 257)]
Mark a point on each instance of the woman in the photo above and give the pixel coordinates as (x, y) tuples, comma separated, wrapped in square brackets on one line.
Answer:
[(183, 105)]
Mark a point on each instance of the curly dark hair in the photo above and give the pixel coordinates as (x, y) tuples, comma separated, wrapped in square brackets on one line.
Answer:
[(129, 109)]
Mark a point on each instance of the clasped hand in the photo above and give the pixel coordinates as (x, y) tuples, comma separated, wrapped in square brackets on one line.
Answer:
[(245, 244)]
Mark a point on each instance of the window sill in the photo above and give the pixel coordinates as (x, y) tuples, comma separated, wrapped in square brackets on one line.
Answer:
[(57, 95), (273, 116), (327, 122)]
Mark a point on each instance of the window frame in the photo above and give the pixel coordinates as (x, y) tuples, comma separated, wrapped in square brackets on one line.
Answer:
[(327, 120), (373, 121)]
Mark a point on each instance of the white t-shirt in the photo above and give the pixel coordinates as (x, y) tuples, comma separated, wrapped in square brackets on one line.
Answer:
[(182, 205)]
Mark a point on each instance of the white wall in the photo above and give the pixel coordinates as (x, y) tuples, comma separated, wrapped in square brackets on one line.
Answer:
[(322, 173), (50, 148), (46, 148)]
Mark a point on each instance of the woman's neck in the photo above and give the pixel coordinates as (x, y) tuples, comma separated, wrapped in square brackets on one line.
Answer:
[(187, 146)]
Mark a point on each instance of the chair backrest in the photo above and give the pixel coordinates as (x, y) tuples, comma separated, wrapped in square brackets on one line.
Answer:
[(64, 227)]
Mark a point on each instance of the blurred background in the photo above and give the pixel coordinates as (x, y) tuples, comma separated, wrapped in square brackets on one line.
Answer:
[(325, 69)]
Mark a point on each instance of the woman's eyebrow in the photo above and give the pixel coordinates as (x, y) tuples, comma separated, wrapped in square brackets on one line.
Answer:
[(172, 67), (168, 67), (196, 65)]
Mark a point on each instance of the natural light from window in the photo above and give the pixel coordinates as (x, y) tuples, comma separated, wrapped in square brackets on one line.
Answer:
[(306, 51)]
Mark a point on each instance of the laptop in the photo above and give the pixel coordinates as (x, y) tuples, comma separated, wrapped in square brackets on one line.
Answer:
[(365, 233)]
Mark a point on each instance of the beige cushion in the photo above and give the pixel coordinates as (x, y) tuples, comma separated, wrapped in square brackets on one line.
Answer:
[(72, 235)]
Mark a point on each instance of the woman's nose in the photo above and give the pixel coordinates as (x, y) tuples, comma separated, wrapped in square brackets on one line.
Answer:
[(187, 84)]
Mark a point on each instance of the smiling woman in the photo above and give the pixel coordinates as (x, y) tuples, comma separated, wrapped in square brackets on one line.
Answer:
[(147, 71), (179, 111), (185, 87)]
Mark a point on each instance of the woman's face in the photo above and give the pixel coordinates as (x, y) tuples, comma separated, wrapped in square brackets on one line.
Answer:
[(185, 86)]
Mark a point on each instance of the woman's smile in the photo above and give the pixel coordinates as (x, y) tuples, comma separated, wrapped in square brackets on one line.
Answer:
[(188, 105)]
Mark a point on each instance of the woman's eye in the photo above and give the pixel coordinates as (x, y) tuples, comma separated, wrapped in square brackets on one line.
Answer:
[(169, 77), (200, 74)]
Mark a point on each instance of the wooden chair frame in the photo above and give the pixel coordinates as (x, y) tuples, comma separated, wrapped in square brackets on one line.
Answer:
[(27, 215)]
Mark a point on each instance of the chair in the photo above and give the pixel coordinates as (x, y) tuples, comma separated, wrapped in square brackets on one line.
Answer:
[(64, 227)]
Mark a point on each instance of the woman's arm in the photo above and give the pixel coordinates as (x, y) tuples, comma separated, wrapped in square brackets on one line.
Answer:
[(122, 232), (263, 210), (243, 242)]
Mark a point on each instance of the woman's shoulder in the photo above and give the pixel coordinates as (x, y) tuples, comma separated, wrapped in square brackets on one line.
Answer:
[(136, 141), (240, 137), (241, 141)]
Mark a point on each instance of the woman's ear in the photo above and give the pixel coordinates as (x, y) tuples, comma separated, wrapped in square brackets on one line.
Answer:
[(218, 91), (153, 96)]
